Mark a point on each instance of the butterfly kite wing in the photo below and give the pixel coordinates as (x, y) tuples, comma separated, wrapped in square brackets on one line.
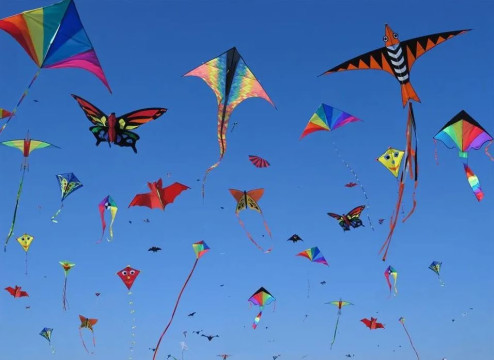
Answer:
[(253, 196), (354, 216), (136, 118), (341, 220), (93, 114), (240, 198)]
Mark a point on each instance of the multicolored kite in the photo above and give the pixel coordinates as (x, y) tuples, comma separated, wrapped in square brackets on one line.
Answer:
[(339, 303), (25, 241), (436, 267), (314, 255), (128, 275), (464, 133), (67, 266), (402, 321), (391, 159), (27, 146), (53, 37), (232, 82), (372, 324), (46, 333), (16, 292), (88, 324), (261, 298), (159, 196), (107, 204), (116, 129), (258, 161), (68, 183), (200, 248), (351, 219), (390, 271), (248, 200)]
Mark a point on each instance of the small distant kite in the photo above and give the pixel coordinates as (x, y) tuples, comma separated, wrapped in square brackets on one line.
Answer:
[(107, 204), (381, 221), (372, 324), (258, 161), (390, 271), (210, 337), (68, 183), (314, 255), (224, 356), (46, 333), (261, 298), (154, 249), (67, 266), (436, 267), (192, 314), (16, 292), (88, 324), (159, 197), (339, 303), (351, 219), (350, 184), (295, 238)]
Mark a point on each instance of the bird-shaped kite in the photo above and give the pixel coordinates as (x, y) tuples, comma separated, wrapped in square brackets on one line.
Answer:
[(210, 337), (158, 197), (68, 183), (295, 238), (372, 324), (200, 248), (25, 241), (67, 266), (339, 303), (88, 324), (107, 204), (248, 200), (16, 292), (261, 298), (53, 37), (154, 249), (464, 133), (351, 219), (26, 145), (391, 271), (117, 129), (232, 82)]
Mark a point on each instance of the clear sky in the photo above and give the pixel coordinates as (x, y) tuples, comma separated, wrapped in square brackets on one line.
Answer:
[(144, 48)]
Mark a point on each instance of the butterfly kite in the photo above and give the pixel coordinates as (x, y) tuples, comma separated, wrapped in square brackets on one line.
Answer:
[(464, 133), (46, 333), (261, 298), (258, 161), (200, 248), (248, 200), (53, 37), (25, 241), (232, 82), (16, 292), (67, 266), (128, 275), (159, 196), (390, 271), (436, 267), (107, 204), (314, 255), (351, 219), (27, 146), (88, 324), (68, 183), (372, 324), (339, 303), (117, 129), (402, 321)]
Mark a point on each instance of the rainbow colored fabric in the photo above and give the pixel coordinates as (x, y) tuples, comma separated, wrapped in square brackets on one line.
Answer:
[(53, 36), (314, 255), (473, 180), (327, 118), (200, 248)]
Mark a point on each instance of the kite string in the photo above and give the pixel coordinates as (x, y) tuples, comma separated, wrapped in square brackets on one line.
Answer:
[(174, 310), (411, 342), (11, 230), (133, 326), (347, 165), (335, 330)]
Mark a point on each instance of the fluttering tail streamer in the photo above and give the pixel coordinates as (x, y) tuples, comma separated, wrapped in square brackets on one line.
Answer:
[(20, 100), (12, 225), (249, 235), (133, 326), (487, 150), (256, 320), (347, 165), (65, 303), (335, 329), (402, 321), (56, 214), (84, 343), (473, 180)]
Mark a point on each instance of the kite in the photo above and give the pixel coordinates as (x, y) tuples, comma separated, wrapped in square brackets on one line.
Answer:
[(436, 267), (381, 221), (26, 145), (159, 196), (350, 184), (224, 356), (107, 204), (16, 292), (372, 324), (128, 275), (294, 238), (402, 321), (210, 337), (68, 183), (117, 129), (200, 248), (53, 37), (314, 255), (232, 82), (88, 324), (351, 219), (390, 271), (464, 133), (46, 333), (391, 159), (248, 200), (154, 249), (261, 298), (67, 266), (329, 118), (258, 161), (25, 241), (397, 58), (339, 303), (192, 314)]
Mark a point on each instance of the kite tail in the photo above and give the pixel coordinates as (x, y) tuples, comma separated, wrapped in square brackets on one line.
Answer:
[(83, 342), (133, 326), (487, 151), (20, 100), (174, 310), (256, 320), (65, 303), (25, 261), (411, 160), (411, 342), (12, 225), (248, 234), (441, 281), (473, 180), (207, 173), (335, 330), (110, 230), (393, 221), (347, 165), (56, 214)]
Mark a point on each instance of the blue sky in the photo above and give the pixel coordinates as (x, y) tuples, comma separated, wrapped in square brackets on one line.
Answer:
[(145, 47)]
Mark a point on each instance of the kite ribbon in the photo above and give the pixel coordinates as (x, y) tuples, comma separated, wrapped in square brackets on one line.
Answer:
[(335, 329), (473, 180), (11, 231), (56, 214), (20, 100), (257, 319), (250, 236), (83, 342)]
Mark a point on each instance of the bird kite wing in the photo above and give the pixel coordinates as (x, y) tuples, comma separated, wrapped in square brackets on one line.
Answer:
[(158, 197), (375, 59), (169, 193)]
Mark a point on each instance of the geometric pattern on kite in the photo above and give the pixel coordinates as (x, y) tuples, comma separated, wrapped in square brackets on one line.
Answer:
[(247, 199), (327, 118), (258, 161), (351, 219)]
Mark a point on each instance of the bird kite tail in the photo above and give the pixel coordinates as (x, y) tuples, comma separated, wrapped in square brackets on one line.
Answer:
[(407, 93), (12, 225), (248, 233), (215, 165), (393, 222), (56, 214), (473, 180), (256, 320), (335, 330), (486, 150), (20, 100)]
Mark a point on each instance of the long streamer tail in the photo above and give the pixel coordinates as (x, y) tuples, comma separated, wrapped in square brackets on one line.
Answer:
[(487, 151), (82, 339), (473, 180), (256, 320), (249, 234), (12, 225), (411, 342), (20, 100), (335, 330), (393, 221), (56, 214), (215, 165), (65, 303), (174, 310)]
